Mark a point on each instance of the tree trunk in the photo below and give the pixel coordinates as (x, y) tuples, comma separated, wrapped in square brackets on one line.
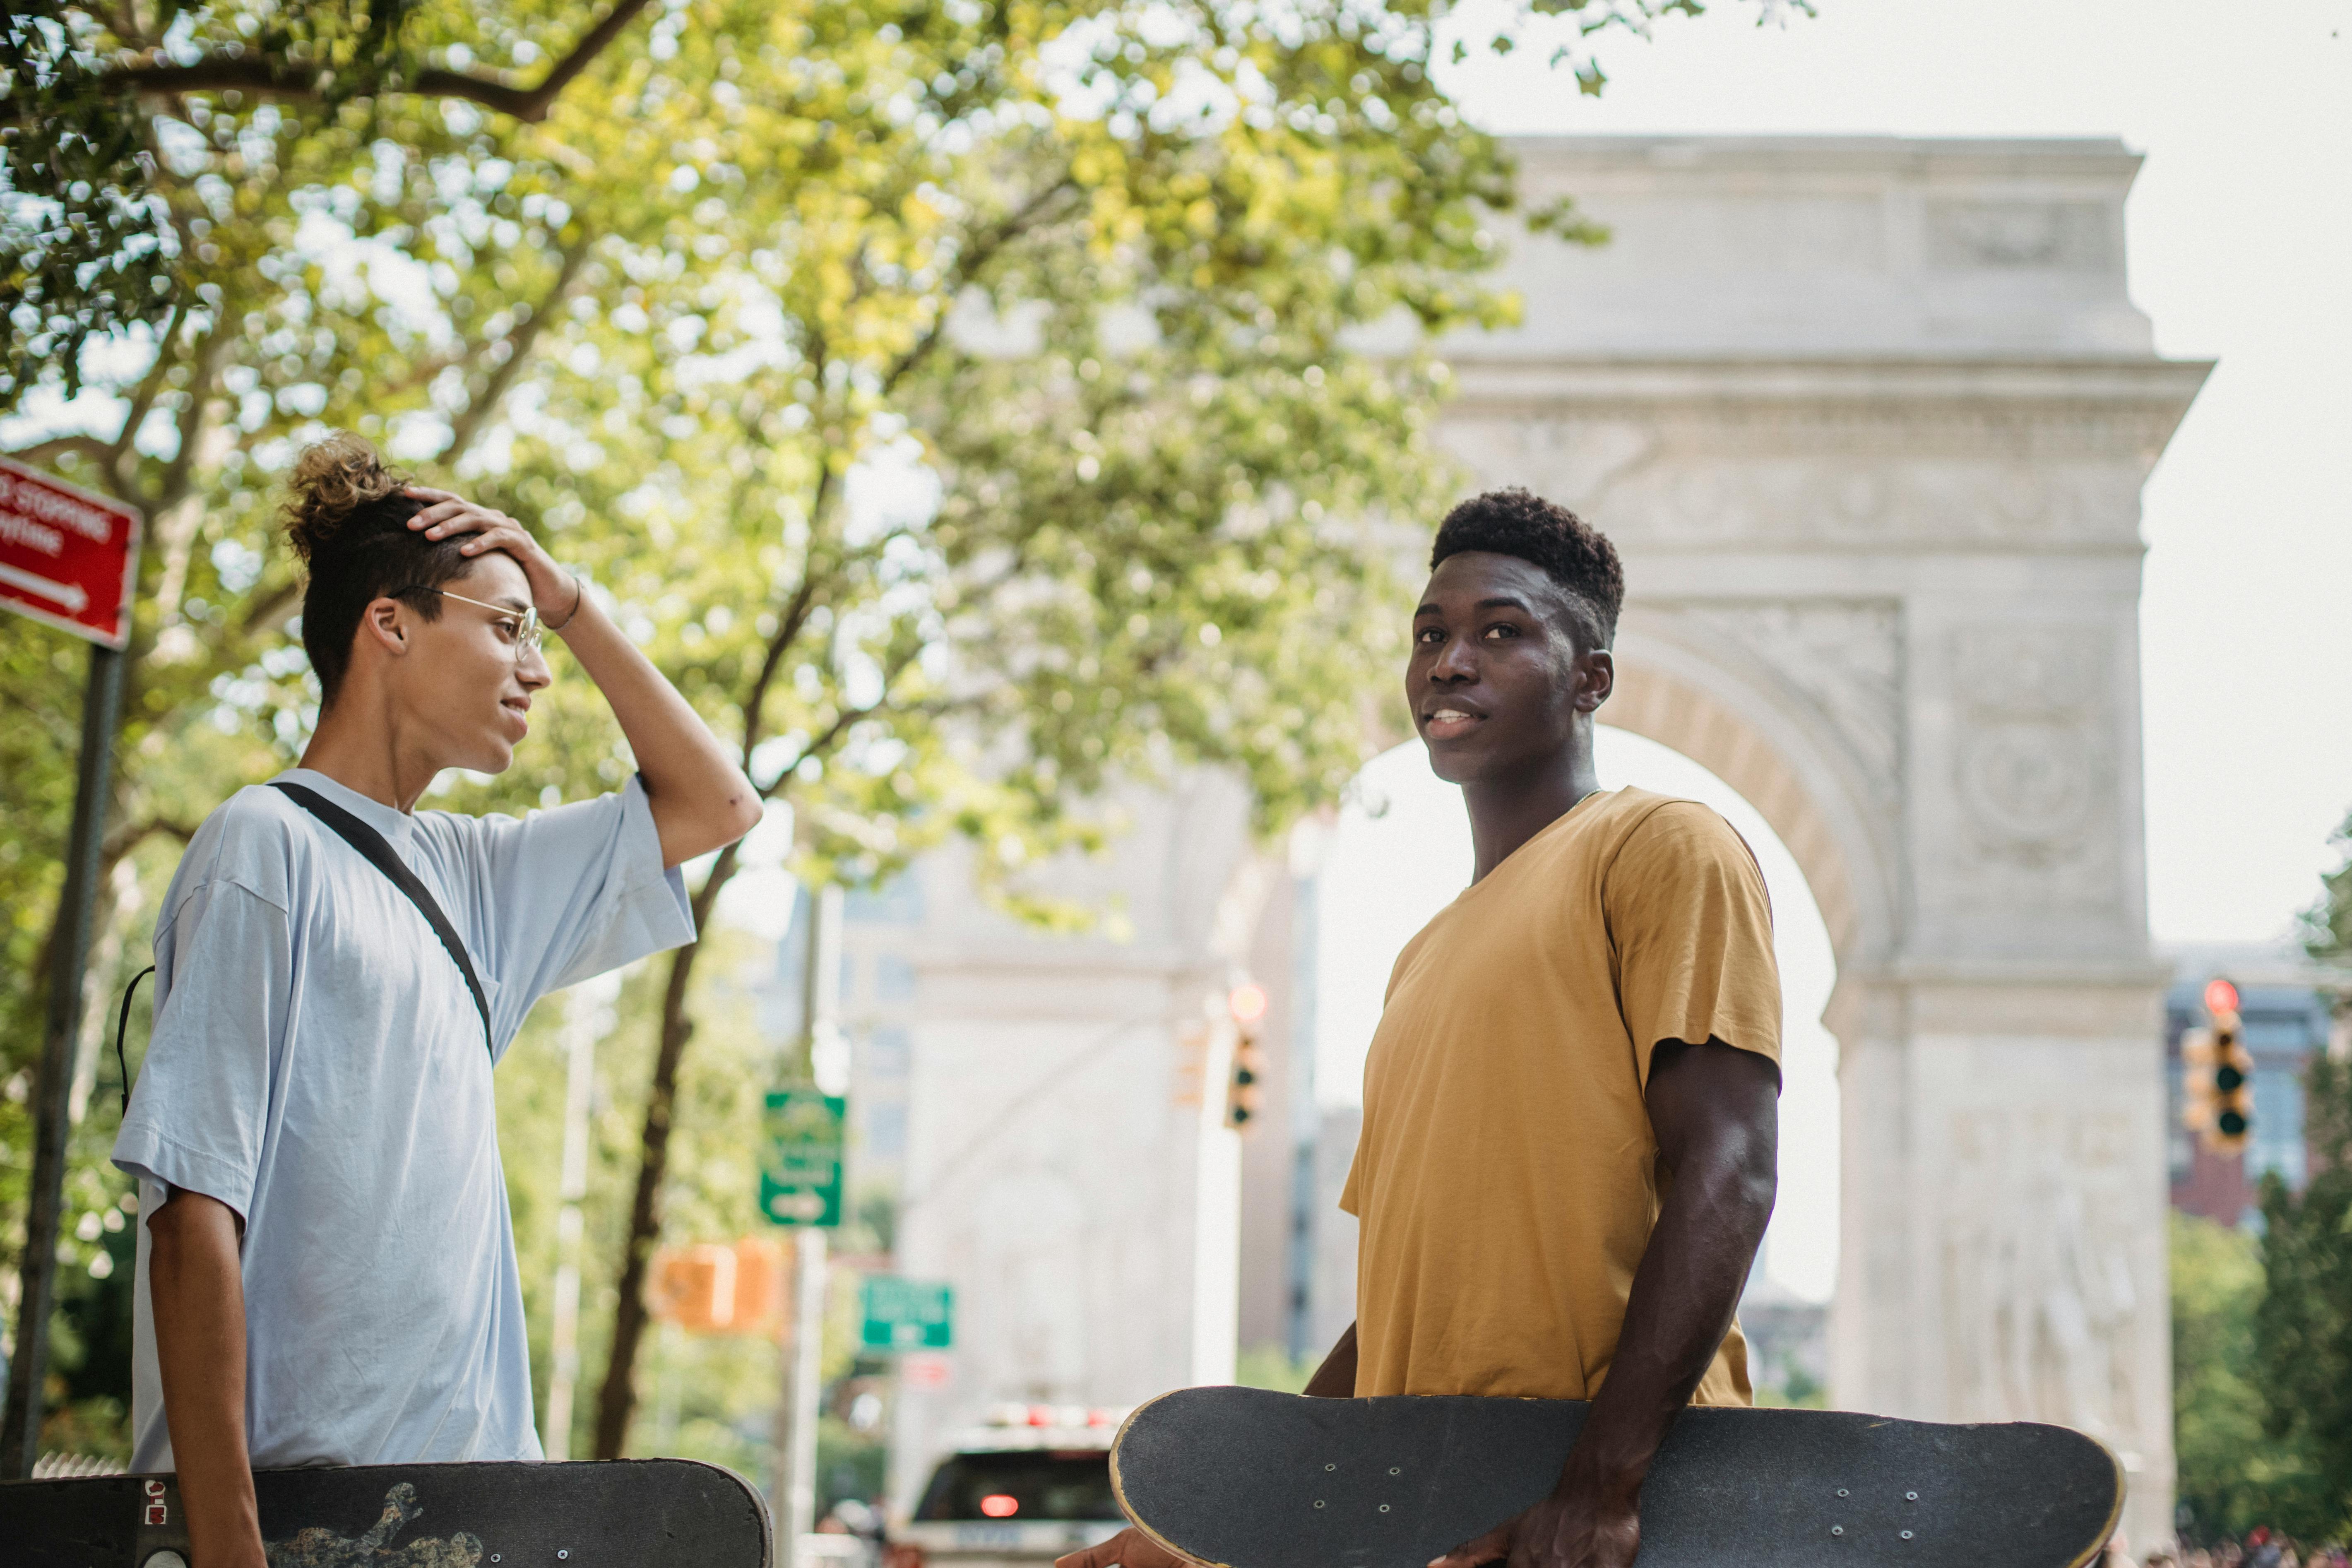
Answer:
[(617, 1401)]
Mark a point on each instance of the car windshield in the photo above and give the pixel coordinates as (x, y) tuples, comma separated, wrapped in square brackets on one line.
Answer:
[(1021, 1484)]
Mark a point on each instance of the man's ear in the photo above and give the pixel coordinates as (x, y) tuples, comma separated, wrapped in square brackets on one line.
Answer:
[(1600, 670), (384, 623)]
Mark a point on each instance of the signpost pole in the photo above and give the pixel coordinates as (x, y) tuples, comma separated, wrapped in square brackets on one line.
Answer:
[(101, 712), (794, 1491)]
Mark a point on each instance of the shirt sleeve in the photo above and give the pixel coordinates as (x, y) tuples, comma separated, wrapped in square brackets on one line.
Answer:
[(573, 891), (225, 967), (1690, 928)]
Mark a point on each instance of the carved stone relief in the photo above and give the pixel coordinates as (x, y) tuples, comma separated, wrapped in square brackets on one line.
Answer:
[(2072, 237), (2039, 1300), (2034, 759), (1844, 658), (1677, 483)]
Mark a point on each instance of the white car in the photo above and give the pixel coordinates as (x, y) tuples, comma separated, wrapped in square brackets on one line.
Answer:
[(1031, 1486)]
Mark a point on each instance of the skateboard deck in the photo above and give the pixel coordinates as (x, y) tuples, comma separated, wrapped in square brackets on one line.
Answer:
[(622, 1513), (1244, 1477)]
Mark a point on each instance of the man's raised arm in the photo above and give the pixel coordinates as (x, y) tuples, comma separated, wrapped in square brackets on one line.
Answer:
[(702, 801)]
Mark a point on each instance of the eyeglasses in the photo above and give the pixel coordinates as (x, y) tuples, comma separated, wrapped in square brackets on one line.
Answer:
[(528, 633)]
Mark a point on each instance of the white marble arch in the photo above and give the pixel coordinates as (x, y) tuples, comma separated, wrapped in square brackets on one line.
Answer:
[(1868, 420)]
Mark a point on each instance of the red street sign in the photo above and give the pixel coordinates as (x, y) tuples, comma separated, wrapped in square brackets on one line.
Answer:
[(66, 556)]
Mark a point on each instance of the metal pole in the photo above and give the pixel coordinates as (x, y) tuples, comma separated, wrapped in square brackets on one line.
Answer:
[(36, 1266), (807, 1378), (804, 1362)]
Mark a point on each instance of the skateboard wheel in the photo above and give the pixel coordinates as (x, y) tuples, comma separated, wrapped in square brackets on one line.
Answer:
[(1837, 1529), (1384, 1508), (1906, 1535), (1394, 1470), (165, 1559), (1910, 1497), (1319, 1502), (1842, 1491), (1331, 1466)]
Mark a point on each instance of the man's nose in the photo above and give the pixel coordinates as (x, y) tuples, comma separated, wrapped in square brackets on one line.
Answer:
[(1457, 660), (532, 670)]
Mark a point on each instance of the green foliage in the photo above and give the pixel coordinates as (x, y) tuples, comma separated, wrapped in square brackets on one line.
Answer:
[(2302, 1329), (1271, 1367), (2229, 1471), (964, 403), (2328, 925)]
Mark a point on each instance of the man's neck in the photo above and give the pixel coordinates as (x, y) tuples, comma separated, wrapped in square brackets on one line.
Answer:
[(1506, 813), (359, 744)]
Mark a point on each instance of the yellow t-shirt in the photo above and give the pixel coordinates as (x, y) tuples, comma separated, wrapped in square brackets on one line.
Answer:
[(1506, 1180)]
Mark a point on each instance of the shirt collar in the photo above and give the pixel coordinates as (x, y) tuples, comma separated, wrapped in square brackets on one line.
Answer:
[(395, 825)]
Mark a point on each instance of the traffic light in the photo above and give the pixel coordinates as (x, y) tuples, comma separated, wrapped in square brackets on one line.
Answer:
[(2233, 1070), (1242, 1093), (2217, 1074)]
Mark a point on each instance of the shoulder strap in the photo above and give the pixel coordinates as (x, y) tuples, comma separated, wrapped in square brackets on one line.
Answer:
[(371, 844)]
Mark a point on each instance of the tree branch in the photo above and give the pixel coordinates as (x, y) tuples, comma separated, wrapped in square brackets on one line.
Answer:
[(128, 837), (282, 78), (48, 452), (469, 425), (149, 386), (983, 250)]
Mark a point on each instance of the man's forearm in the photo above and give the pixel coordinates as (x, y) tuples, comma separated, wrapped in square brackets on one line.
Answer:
[(198, 1297), (700, 799), (1336, 1378), (1682, 1302)]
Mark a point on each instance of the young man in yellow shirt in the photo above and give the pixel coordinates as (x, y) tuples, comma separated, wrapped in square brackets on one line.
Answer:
[(1571, 1102)]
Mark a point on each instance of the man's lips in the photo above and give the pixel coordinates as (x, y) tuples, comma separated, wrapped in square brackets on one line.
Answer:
[(1450, 721), (520, 708)]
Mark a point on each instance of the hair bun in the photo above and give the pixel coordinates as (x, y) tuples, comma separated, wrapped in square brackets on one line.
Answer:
[(332, 479)]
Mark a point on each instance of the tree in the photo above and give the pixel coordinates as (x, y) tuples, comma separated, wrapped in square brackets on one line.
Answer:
[(2302, 1329), (96, 248), (2225, 1462), (2328, 925), (985, 378)]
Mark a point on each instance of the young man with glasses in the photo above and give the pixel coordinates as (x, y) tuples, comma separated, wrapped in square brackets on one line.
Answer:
[(327, 1270)]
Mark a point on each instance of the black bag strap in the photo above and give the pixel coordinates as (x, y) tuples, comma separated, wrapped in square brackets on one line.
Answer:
[(371, 844), (122, 1027)]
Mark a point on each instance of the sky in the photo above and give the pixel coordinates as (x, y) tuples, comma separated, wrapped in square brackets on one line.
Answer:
[(2240, 249)]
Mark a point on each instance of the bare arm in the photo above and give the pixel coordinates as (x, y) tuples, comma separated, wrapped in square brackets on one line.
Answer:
[(1716, 1112), (1130, 1548), (1336, 1378), (701, 800), (198, 1295)]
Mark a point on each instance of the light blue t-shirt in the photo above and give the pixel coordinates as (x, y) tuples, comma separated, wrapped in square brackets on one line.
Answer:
[(318, 1065)]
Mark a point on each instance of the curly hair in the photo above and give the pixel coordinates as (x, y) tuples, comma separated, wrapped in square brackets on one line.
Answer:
[(346, 515), (1572, 552)]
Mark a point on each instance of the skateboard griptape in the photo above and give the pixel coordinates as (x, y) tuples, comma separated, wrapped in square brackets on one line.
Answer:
[(622, 1513), (1250, 1478)]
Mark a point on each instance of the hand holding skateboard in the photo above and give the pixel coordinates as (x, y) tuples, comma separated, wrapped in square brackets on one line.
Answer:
[(1584, 1523)]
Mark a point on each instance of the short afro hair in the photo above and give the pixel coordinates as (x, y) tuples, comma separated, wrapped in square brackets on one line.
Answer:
[(1572, 552)]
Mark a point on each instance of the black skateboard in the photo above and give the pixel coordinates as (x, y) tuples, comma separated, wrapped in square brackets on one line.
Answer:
[(1243, 1478), (625, 1514)]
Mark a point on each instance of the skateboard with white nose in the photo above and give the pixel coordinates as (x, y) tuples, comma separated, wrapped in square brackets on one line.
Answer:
[(618, 1513), (1244, 1477)]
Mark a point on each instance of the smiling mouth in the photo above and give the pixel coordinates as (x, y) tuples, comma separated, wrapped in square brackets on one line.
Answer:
[(1445, 723)]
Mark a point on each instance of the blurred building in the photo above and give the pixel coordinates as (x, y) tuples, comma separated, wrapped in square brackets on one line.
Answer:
[(2291, 1007)]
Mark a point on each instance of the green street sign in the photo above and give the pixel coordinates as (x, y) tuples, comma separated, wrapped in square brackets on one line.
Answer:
[(800, 1172), (907, 1314)]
